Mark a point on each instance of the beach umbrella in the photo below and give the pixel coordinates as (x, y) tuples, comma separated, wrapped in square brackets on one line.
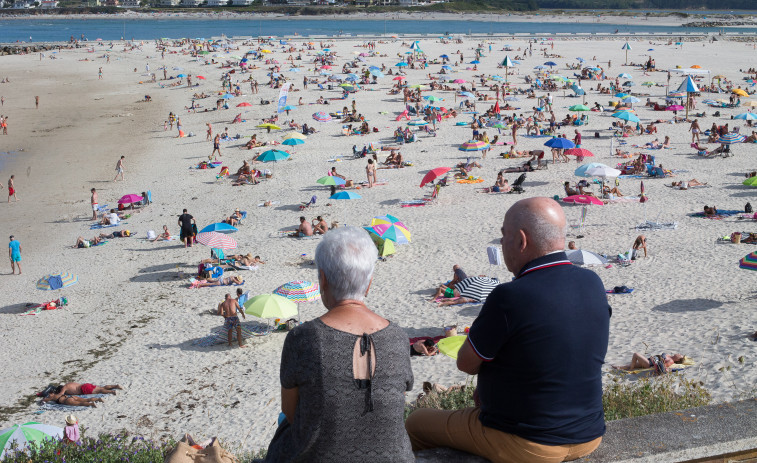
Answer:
[(433, 174), (507, 63), (216, 240), (227, 96), (293, 142), (581, 171), (626, 47), (474, 145), (219, 227), (624, 75), (201, 77), (57, 281), (581, 257), (244, 104), (631, 99), (558, 142), (475, 61), (268, 125), (740, 92), (731, 138), (322, 116), (467, 95), (128, 199), (393, 231), (389, 219), (273, 156), (451, 345), (749, 261), (270, 306), (288, 108), (476, 288), (345, 195), (603, 171), (647, 83), (417, 122), (583, 199), (385, 247), (401, 64), (432, 98), (627, 116), (295, 135), (331, 180), (688, 86), (376, 73), (550, 64), (444, 56), (459, 81), (579, 107), (27, 434), (299, 291), (621, 95), (677, 95), (400, 78), (674, 107), (580, 152), (181, 75), (577, 90), (751, 181), (746, 116)]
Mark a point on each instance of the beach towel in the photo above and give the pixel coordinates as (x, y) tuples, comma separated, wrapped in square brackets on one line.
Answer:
[(194, 281), (97, 226), (475, 180), (219, 335), (54, 406), (719, 216)]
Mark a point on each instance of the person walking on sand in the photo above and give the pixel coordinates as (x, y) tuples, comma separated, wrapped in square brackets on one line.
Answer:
[(515, 132), (36, 102), (210, 132), (14, 252), (229, 309), (100, 74), (11, 189), (93, 202), (216, 145), (187, 230), (370, 171), (120, 169), (695, 130)]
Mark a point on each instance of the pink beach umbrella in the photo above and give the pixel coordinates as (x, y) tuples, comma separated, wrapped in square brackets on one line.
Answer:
[(128, 199), (583, 199), (217, 240)]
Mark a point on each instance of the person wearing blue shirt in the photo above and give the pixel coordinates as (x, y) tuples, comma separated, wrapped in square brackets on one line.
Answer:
[(14, 252), (537, 346)]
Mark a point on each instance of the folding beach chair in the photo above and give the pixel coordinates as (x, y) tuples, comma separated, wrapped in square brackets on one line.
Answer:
[(307, 205)]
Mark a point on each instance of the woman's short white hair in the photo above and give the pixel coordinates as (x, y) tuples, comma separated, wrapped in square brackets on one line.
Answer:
[(347, 257)]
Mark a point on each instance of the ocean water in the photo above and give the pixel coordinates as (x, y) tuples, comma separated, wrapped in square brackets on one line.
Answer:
[(46, 30)]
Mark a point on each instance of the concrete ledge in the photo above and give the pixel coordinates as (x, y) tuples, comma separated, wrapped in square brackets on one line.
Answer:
[(715, 433)]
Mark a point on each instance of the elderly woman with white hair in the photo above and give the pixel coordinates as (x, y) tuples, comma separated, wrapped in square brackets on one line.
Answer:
[(344, 375)]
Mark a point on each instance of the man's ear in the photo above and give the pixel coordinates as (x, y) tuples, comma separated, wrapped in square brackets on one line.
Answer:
[(523, 240)]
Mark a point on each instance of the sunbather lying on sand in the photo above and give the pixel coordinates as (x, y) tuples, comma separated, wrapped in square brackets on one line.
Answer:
[(82, 243), (72, 400), (684, 185), (64, 393), (638, 361), (115, 234), (223, 281), (424, 348)]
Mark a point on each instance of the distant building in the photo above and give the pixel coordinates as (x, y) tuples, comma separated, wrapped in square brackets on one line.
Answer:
[(48, 4), (408, 2), (22, 4), (129, 4), (169, 2), (191, 2), (218, 2), (111, 3), (241, 2)]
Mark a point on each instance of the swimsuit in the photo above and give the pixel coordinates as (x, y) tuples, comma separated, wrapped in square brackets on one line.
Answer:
[(87, 388), (231, 322)]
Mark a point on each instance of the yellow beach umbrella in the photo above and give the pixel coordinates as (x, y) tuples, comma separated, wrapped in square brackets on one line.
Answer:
[(739, 92), (295, 135), (451, 346), (269, 126)]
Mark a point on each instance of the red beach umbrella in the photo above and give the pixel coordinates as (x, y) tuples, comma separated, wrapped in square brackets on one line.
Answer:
[(583, 199), (244, 104), (582, 152), (433, 174), (128, 199)]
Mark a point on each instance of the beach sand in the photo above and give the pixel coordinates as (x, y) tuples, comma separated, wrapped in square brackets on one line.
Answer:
[(132, 320)]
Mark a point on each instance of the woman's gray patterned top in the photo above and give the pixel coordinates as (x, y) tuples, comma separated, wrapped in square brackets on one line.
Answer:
[(338, 418)]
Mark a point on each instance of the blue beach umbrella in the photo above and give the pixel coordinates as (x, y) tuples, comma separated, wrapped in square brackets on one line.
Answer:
[(293, 141), (558, 142), (550, 63), (626, 116), (581, 171), (746, 116), (401, 64), (219, 227), (345, 195), (273, 156)]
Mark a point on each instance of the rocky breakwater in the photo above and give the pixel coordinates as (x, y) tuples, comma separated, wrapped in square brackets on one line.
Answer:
[(25, 48), (720, 23)]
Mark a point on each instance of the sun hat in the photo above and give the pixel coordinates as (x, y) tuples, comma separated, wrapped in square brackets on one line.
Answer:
[(71, 419)]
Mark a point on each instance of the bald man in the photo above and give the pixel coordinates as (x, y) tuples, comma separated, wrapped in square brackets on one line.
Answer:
[(537, 346)]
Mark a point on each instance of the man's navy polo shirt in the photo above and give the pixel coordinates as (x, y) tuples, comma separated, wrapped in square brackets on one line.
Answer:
[(543, 339)]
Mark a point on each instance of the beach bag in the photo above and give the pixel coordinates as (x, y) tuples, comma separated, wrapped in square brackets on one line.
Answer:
[(151, 234), (188, 451), (658, 365), (748, 208)]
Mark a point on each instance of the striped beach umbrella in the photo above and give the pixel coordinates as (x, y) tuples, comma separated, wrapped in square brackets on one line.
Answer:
[(216, 240), (477, 288), (746, 116), (731, 138), (299, 291), (389, 219), (474, 145), (57, 281), (322, 116), (749, 261), (394, 232), (26, 435)]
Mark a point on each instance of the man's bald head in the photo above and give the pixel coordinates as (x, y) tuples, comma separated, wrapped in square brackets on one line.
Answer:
[(533, 227)]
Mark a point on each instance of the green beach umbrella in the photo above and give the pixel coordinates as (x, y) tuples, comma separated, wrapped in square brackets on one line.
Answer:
[(579, 107), (751, 181), (450, 346), (27, 434), (270, 306)]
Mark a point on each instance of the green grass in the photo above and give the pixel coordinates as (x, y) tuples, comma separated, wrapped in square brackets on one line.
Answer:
[(620, 399)]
